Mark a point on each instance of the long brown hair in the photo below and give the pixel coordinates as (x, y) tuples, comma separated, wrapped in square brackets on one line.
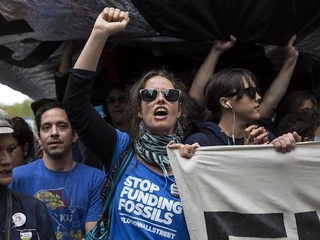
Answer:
[(134, 101)]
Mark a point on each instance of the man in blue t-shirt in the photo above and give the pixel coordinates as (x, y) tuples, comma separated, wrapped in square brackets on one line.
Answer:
[(70, 190)]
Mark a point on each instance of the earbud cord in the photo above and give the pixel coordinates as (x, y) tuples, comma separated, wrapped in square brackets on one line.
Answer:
[(233, 126)]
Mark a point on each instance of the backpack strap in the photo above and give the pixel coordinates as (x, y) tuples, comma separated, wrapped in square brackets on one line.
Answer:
[(209, 134), (101, 230), (114, 177)]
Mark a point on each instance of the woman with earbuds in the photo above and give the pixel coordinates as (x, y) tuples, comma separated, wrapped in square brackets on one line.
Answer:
[(233, 98)]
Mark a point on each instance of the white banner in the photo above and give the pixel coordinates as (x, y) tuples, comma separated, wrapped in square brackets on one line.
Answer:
[(250, 192)]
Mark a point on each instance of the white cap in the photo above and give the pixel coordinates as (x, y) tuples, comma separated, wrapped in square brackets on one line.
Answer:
[(5, 123)]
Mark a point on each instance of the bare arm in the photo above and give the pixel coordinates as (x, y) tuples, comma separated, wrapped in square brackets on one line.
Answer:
[(66, 57), (280, 84), (89, 225), (109, 21), (62, 75), (207, 68), (95, 133)]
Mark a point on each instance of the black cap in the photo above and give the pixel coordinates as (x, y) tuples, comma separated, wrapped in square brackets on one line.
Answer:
[(40, 103)]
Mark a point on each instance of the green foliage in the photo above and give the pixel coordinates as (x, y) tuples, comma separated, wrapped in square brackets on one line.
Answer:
[(19, 109)]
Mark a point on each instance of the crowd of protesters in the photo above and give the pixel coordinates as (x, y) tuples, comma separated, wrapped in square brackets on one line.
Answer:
[(81, 139)]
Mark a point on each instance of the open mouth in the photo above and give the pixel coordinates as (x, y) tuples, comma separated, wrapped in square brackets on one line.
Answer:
[(160, 112)]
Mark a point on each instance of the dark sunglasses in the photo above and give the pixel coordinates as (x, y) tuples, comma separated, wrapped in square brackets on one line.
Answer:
[(250, 91), (150, 94)]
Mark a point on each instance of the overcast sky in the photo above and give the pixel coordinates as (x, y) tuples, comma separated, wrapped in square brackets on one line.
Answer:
[(8, 96)]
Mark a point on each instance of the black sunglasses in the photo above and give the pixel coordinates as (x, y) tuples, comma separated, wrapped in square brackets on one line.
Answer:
[(250, 91), (150, 94)]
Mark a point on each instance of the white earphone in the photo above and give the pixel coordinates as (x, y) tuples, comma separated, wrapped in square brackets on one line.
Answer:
[(234, 122), (229, 104)]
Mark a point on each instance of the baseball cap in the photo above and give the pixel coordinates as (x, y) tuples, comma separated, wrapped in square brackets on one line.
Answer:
[(40, 103), (5, 123)]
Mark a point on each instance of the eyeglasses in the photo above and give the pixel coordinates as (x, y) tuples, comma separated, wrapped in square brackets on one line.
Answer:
[(113, 100), (150, 94), (250, 91)]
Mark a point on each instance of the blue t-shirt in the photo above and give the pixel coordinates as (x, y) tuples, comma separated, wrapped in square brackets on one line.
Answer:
[(72, 197), (145, 205)]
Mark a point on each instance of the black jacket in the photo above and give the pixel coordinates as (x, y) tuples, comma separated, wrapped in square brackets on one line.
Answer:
[(37, 219)]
